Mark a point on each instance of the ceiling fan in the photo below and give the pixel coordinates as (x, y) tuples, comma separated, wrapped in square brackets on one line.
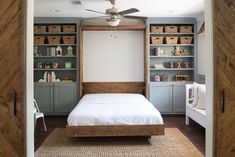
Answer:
[(113, 16)]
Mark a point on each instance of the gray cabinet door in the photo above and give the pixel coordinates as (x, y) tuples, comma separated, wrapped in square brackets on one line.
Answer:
[(161, 97), (178, 98), (65, 97), (43, 94)]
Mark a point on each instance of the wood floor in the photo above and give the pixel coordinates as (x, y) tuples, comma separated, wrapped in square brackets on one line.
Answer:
[(194, 132)]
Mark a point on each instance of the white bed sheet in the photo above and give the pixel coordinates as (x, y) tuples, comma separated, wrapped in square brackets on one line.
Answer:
[(114, 109)]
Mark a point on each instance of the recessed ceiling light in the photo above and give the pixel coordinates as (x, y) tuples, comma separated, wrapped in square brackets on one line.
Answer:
[(55, 10), (76, 2), (170, 11)]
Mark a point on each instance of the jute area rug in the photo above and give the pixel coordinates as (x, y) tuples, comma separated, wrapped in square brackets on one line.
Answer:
[(172, 144)]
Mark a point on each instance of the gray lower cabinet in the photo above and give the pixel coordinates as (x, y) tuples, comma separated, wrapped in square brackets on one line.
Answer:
[(56, 98), (43, 94), (168, 97), (178, 98), (160, 96), (65, 97)]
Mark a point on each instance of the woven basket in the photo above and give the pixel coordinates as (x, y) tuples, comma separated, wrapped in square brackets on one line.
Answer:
[(157, 40), (171, 40), (69, 28), (69, 39), (171, 29), (54, 28), (39, 29), (39, 39), (186, 40), (53, 39), (157, 29), (186, 29)]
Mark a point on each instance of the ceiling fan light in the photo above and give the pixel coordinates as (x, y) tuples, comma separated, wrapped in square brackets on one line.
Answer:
[(113, 22)]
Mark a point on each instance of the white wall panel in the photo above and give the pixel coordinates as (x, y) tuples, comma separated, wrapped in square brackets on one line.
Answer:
[(113, 56)]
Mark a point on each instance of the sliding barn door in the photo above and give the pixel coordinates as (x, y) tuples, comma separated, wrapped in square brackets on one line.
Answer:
[(12, 77), (224, 65)]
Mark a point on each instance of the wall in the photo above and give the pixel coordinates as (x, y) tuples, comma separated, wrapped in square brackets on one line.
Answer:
[(113, 56), (29, 81), (201, 49)]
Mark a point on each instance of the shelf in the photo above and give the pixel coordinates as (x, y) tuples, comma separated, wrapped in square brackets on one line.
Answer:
[(171, 44), (151, 33), (54, 82), (171, 56), (172, 69), (176, 82), (55, 56), (59, 69), (59, 33), (55, 44)]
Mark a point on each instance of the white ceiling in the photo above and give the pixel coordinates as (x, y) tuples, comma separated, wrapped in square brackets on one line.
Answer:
[(149, 8)]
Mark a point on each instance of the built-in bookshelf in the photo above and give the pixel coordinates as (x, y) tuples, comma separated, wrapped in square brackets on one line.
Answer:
[(164, 64), (56, 52), (172, 58), (59, 58)]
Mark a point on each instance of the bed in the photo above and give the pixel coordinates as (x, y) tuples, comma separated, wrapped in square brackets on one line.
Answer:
[(103, 113)]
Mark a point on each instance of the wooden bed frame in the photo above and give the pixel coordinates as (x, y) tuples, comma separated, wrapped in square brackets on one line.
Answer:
[(114, 87), (114, 130)]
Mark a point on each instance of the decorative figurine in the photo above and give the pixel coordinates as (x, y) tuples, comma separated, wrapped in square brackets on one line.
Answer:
[(48, 77), (170, 64), (177, 51), (47, 65), (186, 64), (44, 77), (59, 51), (165, 77), (178, 64), (157, 78), (55, 65), (53, 77), (70, 51), (39, 65)]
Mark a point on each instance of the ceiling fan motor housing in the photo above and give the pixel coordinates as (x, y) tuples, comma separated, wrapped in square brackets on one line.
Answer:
[(112, 11)]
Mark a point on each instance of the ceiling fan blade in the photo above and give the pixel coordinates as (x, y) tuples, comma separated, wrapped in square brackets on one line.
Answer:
[(128, 11), (135, 17), (95, 11)]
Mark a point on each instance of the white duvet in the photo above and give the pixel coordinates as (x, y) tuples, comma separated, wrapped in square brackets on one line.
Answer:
[(114, 109)]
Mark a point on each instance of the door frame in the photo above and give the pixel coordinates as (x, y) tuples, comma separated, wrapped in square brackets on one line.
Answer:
[(209, 78), (29, 79), (29, 109)]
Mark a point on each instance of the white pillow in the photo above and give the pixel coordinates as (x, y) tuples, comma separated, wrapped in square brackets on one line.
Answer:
[(201, 104), (194, 94)]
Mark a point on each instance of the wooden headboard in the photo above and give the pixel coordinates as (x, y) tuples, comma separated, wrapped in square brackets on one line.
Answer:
[(113, 87)]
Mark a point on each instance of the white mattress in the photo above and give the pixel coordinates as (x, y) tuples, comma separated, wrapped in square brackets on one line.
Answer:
[(114, 109)]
